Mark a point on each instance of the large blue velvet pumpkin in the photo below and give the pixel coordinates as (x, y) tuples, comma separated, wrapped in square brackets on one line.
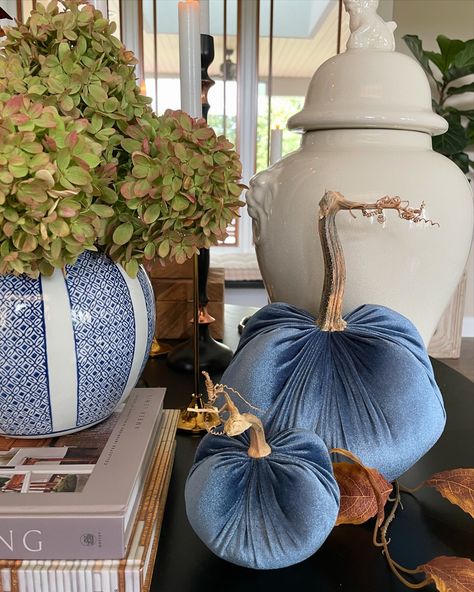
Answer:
[(364, 383), (369, 389), (267, 512)]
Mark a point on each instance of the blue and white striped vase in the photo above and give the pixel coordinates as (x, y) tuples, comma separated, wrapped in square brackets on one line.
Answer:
[(72, 346)]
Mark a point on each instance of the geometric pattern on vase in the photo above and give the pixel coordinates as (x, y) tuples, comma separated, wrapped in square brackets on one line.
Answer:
[(71, 347), (104, 326), (23, 362), (150, 309)]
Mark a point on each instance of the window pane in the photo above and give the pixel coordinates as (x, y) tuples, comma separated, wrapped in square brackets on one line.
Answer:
[(150, 50), (222, 96), (305, 34), (161, 55), (223, 70), (26, 8), (114, 15), (167, 51)]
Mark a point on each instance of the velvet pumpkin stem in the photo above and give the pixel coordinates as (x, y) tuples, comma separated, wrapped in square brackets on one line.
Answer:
[(238, 423), (258, 445), (330, 309)]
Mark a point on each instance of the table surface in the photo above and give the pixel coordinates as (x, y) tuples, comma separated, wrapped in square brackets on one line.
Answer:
[(426, 527)]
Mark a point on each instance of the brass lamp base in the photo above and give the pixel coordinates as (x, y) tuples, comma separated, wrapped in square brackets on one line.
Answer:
[(195, 419)]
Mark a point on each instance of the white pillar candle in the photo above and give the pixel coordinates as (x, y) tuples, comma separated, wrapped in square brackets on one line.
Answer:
[(276, 139), (204, 16), (190, 57)]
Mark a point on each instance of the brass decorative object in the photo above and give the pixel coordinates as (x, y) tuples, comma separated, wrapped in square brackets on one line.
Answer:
[(195, 418), (159, 348), (191, 418)]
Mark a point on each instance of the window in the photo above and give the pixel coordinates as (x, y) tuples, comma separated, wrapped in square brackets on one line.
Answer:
[(295, 38)]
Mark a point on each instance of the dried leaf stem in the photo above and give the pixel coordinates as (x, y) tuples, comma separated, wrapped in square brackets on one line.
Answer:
[(214, 390), (394, 566), (381, 525), (412, 490)]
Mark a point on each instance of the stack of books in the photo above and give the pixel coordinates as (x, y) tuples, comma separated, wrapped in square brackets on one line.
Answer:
[(83, 512)]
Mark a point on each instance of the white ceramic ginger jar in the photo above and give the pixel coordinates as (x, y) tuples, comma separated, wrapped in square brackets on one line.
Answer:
[(367, 125)]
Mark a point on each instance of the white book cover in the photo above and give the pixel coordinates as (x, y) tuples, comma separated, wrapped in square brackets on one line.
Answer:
[(87, 485)]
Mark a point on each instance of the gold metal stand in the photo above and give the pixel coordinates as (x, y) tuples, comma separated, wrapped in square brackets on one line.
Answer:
[(191, 418)]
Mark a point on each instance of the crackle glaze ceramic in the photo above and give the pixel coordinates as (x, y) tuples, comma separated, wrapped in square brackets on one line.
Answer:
[(72, 346), (367, 124)]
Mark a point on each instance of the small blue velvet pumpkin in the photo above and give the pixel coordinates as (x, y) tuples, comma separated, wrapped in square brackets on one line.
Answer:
[(369, 389), (263, 513)]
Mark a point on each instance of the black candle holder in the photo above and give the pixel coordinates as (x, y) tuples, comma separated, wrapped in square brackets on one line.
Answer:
[(213, 356), (207, 57)]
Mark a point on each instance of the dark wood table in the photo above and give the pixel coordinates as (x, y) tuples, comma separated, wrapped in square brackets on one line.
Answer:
[(426, 527)]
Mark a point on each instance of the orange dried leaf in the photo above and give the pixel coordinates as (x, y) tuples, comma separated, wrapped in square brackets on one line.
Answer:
[(359, 501), (451, 574), (457, 486)]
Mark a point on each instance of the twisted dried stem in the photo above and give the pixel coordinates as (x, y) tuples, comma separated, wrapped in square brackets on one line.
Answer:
[(215, 390), (394, 566), (330, 310), (237, 423), (382, 525)]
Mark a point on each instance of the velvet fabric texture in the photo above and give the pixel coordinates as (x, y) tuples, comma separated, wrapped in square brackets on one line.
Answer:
[(262, 513), (369, 389)]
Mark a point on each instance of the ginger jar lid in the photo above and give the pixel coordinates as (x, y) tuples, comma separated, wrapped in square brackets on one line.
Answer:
[(370, 85)]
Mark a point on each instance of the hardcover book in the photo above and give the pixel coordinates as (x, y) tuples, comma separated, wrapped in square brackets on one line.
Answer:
[(134, 572), (76, 496)]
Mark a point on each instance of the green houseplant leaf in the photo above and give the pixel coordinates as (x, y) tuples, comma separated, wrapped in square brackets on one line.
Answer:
[(454, 140), (449, 48), (458, 90), (465, 57), (416, 47), (455, 60)]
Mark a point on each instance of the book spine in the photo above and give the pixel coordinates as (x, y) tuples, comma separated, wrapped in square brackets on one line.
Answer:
[(32, 538), (5, 580)]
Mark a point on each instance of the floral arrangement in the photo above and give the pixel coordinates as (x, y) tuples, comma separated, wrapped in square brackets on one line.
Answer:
[(86, 164)]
